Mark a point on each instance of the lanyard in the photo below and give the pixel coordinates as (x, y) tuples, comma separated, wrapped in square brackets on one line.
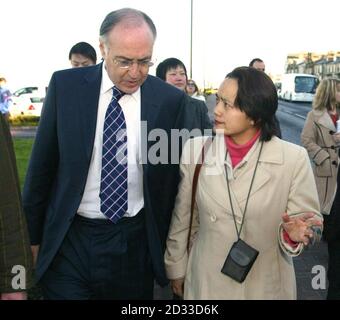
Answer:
[(251, 185)]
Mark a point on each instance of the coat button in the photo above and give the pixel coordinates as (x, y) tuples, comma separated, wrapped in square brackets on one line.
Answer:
[(334, 163), (331, 132), (333, 147), (213, 218)]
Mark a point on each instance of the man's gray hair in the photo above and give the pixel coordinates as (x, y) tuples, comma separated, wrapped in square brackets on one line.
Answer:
[(130, 16)]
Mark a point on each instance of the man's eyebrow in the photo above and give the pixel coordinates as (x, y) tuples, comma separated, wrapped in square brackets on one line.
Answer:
[(128, 59)]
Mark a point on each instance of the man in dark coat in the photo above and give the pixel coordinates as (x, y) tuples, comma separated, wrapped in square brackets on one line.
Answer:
[(15, 254)]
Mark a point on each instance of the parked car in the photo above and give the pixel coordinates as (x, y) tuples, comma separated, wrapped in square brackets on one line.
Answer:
[(28, 101)]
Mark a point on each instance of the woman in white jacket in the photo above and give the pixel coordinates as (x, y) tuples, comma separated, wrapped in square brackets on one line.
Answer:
[(252, 186)]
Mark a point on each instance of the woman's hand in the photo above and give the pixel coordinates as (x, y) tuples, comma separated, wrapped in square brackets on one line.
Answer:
[(299, 227), (336, 138), (177, 286), (14, 296)]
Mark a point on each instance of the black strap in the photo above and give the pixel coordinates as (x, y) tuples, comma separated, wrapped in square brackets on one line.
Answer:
[(238, 232), (194, 184)]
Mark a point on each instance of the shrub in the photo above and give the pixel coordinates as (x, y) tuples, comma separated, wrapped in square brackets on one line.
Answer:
[(22, 120)]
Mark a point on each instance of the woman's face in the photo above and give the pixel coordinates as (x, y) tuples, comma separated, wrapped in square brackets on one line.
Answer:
[(191, 89), (229, 118), (176, 77)]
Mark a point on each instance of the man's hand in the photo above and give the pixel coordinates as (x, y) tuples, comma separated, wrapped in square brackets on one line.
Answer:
[(35, 251), (177, 286), (14, 296), (299, 228)]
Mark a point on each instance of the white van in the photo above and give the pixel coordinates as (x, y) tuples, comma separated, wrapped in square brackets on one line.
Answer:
[(298, 87)]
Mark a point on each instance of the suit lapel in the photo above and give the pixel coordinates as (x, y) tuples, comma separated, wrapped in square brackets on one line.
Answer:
[(149, 114), (149, 110), (88, 106)]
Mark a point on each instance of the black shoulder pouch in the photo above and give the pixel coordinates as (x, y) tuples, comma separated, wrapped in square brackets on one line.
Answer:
[(239, 261)]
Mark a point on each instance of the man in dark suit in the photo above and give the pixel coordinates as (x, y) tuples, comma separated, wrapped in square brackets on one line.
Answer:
[(15, 254), (78, 183)]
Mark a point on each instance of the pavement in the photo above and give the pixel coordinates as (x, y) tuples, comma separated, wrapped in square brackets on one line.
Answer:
[(23, 132)]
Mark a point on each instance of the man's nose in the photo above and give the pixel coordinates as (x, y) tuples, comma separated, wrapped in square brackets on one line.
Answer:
[(134, 69)]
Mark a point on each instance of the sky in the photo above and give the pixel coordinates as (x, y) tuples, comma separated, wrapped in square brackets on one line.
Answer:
[(37, 35)]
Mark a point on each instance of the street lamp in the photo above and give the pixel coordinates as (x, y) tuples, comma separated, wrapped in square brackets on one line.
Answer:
[(191, 28)]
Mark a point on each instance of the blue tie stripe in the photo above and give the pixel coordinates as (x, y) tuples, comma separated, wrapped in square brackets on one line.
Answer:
[(113, 187)]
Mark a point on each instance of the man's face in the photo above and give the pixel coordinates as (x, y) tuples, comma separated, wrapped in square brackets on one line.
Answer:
[(78, 60), (259, 66), (133, 43)]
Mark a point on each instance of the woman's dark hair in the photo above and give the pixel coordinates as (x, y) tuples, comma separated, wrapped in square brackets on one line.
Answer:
[(166, 65), (84, 49), (257, 97)]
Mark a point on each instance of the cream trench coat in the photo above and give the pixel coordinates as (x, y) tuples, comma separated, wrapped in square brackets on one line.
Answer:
[(284, 182), (316, 137)]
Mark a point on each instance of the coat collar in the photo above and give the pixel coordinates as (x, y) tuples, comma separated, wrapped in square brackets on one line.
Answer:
[(215, 173), (323, 118), (217, 152)]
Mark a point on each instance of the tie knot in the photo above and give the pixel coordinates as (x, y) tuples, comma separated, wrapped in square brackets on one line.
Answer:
[(116, 93)]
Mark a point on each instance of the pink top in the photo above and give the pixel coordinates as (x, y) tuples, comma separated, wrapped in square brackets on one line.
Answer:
[(334, 117), (236, 151)]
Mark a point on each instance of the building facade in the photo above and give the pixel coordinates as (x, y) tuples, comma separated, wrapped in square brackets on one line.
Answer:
[(322, 65)]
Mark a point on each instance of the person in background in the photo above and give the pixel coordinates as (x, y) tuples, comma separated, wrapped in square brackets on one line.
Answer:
[(15, 253), (174, 72), (253, 186), (82, 54), (258, 64), (322, 140), (193, 91), (5, 99), (98, 200)]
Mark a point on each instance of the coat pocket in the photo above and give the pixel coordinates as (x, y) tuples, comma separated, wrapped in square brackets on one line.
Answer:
[(324, 169)]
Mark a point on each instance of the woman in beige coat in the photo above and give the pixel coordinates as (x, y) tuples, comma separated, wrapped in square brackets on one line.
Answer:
[(320, 139), (274, 208)]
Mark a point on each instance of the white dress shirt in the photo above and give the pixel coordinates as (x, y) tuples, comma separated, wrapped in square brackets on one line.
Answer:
[(131, 105)]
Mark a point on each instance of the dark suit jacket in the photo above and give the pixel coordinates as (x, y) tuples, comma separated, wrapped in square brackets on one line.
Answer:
[(14, 242), (62, 152)]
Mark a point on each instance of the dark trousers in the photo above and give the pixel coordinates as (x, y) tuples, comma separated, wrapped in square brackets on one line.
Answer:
[(101, 260), (333, 273), (331, 233)]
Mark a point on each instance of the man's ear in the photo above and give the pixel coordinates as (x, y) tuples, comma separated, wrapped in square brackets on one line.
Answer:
[(103, 48)]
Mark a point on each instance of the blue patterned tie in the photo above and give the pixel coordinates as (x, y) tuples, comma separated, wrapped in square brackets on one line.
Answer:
[(113, 187)]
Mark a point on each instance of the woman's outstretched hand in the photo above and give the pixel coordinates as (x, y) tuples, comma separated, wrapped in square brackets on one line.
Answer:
[(299, 227)]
